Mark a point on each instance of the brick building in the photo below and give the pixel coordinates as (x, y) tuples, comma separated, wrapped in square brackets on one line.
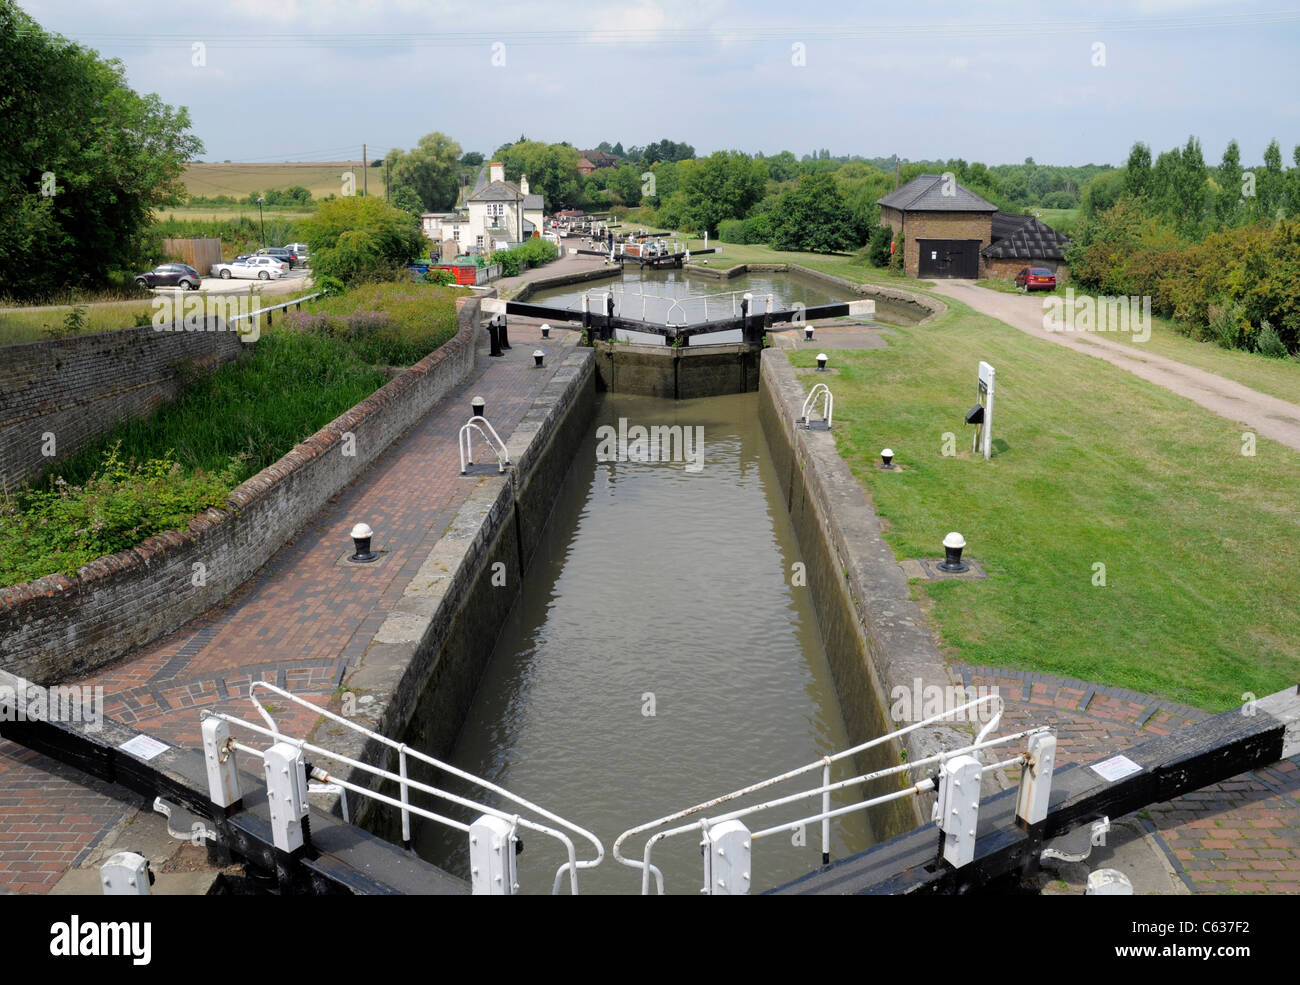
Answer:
[(949, 231), (1021, 241), (944, 226)]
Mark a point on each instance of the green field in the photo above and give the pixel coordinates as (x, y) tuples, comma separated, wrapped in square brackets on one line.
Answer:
[(1201, 545), (225, 213), (238, 180)]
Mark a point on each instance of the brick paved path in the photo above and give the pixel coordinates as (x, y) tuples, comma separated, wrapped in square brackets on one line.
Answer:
[(300, 622), (1239, 836)]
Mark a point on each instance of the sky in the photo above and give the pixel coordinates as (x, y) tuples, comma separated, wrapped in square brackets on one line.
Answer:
[(1062, 82)]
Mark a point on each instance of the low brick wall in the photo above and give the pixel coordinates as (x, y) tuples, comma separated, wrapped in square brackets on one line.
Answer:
[(1007, 269), (77, 388), (425, 662), (59, 627)]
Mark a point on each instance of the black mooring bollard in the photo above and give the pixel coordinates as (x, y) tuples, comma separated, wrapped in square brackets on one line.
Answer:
[(496, 339)]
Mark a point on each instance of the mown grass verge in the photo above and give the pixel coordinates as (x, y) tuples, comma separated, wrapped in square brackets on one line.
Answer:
[(1200, 543)]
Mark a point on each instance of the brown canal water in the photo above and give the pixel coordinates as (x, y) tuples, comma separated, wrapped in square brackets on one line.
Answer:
[(658, 656)]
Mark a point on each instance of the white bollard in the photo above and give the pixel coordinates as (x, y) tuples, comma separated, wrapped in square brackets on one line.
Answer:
[(223, 778), (727, 856), (286, 793), (957, 808), (125, 874), (492, 857), (1108, 882)]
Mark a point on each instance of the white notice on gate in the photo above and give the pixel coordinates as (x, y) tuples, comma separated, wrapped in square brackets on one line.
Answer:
[(144, 746), (1116, 768)]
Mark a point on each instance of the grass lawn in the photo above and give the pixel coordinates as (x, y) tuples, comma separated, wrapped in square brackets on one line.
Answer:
[(1201, 545), (36, 324)]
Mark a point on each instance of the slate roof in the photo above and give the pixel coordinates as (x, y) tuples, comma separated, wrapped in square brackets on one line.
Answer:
[(1022, 237), (533, 201), (924, 193), (497, 191)]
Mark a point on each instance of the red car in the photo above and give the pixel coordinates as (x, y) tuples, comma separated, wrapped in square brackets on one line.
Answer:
[(1035, 279)]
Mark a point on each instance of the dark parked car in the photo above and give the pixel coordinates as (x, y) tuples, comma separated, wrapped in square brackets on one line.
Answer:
[(280, 253), (171, 275), (1036, 279)]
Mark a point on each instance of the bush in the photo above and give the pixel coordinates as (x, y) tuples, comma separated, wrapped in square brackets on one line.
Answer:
[(1269, 343), (878, 246), (755, 229), (383, 324), (64, 526), (896, 258), (356, 239), (533, 252)]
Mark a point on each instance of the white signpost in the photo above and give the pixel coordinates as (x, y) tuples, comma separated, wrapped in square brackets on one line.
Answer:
[(984, 430)]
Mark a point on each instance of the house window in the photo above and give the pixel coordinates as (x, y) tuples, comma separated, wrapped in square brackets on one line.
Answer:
[(496, 210), (478, 242)]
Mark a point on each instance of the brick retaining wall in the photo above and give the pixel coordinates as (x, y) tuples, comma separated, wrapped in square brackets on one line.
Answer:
[(58, 627), (77, 388)]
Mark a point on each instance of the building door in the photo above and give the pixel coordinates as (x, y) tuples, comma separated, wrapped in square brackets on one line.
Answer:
[(949, 258)]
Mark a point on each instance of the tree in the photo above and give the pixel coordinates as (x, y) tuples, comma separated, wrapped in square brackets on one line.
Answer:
[(1102, 193), (724, 185), (431, 169), (783, 166), (1227, 204), (1137, 173), (473, 159), (404, 197), (812, 216), (83, 161), (1269, 183), (552, 170), (356, 238)]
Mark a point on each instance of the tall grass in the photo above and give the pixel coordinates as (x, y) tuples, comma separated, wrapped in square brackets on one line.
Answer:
[(150, 475)]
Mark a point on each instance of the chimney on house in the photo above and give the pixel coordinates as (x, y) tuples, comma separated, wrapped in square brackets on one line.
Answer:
[(496, 171), (523, 183)]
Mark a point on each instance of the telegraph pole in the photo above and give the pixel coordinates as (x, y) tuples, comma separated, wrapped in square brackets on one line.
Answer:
[(365, 182)]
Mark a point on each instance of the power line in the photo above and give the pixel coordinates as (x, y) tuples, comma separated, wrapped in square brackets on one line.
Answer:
[(920, 30)]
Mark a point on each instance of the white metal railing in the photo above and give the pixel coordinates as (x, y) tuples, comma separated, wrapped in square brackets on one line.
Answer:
[(490, 438), (403, 781), (726, 304), (828, 404), (276, 307), (825, 789)]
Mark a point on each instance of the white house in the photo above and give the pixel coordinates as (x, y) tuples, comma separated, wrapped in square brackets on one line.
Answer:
[(495, 215)]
